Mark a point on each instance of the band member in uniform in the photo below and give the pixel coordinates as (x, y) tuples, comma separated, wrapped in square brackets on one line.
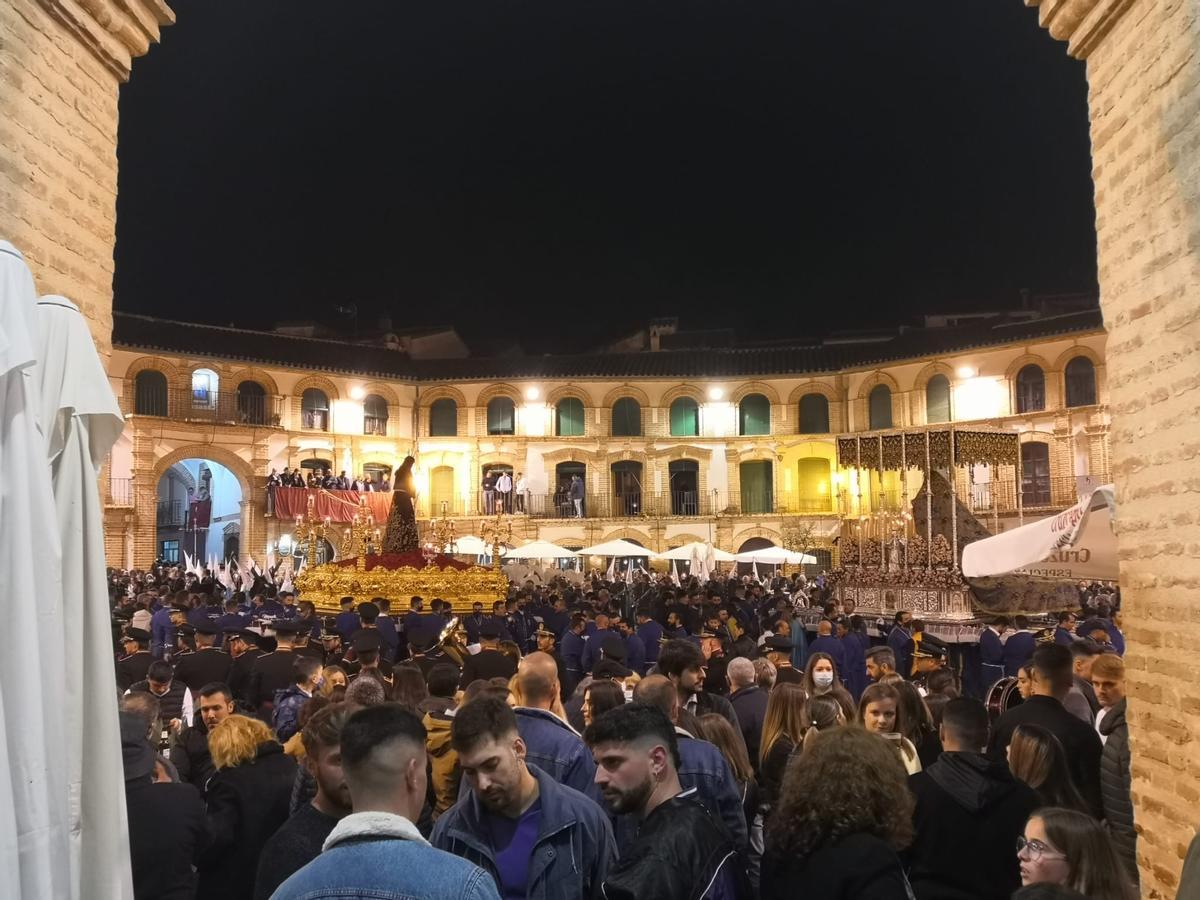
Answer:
[(991, 653), (779, 651), (134, 665), (207, 664), (489, 662), (930, 655), (242, 644), (274, 671)]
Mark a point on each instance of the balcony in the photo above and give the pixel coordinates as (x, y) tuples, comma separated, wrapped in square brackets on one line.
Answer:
[(120, 492), (629, 505), (1046, 493), (170, 514), (215, 407)]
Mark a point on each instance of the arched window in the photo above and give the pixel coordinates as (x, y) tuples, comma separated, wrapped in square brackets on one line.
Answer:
[(757, 486), (754, 415), (375, 415), (150, 393), (814, 414), (314, 410), (880, 407), (1031, 389), (1081, 382), (627, 488), (937, 399), (568, 417), (252, 403), (443, 418), (626, 418), (204, 389), (685, 418), (684, 478), (1035, 474), (501, 416)]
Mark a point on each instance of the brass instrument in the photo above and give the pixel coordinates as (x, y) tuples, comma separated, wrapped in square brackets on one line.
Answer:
[(452, 641)]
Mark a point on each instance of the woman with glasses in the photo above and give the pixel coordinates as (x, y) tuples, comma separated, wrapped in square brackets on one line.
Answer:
[(1070, 848)]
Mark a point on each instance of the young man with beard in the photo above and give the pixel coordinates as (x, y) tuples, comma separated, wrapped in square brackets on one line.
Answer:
[(683, 663), (681, 850), (299, 840), (536, 837)]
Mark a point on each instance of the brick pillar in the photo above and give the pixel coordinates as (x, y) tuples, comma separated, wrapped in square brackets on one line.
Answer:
[(62, 63), (1144, 88)]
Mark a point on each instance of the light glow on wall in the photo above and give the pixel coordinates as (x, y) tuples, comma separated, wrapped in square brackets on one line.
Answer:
[(978, 398), (358, 392)]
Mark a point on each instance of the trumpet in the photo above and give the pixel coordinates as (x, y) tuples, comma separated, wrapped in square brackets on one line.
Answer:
[(452, 643)]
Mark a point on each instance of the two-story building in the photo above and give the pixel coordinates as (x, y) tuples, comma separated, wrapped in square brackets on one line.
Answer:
[(674, 440)]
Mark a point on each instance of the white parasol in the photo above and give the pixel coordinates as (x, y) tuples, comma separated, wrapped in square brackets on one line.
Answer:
[(539, 550), (618, 548), (684, 553), (776, 556)]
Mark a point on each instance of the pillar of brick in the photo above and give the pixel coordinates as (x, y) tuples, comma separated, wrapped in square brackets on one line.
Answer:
[(61, 63), (1144, 93)]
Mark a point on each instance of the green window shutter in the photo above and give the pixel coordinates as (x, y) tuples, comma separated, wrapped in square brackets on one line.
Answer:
[(569, 417), (756, 487), (754, 415), (443, 418), (880, 403), (626, 418), (814, 414), (685, 418), (937, 399), (501, 416)]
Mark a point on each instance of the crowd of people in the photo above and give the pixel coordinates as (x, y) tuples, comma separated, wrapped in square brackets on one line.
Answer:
[(603, 740)]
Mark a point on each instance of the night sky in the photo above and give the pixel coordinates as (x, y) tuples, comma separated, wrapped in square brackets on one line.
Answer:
[(558, 172)]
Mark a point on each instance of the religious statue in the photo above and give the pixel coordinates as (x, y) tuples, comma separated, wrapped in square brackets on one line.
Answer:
[(401, 535)]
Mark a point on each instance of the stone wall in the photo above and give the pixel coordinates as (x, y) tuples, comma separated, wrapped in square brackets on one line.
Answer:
[(61, 64), (1144, 99)]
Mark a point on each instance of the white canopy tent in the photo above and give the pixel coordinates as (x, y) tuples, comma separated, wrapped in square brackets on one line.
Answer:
[(469, 545), (688, 551), (1077, 544), (618, 548), (539, 550), (776, 556)]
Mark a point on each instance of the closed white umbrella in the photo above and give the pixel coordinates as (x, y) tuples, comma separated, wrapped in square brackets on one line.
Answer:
[(684, 553), (539, 550), (618, 548)]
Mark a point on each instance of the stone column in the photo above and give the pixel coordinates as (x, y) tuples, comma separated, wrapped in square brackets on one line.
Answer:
[(61, 63), (1144, 90)]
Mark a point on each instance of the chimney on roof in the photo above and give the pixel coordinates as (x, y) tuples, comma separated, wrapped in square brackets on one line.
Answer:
[(659, 327)]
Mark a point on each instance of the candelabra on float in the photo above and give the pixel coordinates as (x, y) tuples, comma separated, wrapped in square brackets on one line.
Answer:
[(496, 533), (362, 538), (310, 529)]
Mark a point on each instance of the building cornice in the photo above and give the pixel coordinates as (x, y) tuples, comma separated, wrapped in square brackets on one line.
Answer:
[(115, 31), (1083, 24)]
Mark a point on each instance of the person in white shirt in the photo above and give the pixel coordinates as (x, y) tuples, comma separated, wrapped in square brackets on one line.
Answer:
[(504, 487), (519, 491)]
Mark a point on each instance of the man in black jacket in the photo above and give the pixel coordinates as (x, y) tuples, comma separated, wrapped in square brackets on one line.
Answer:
[(1051, 678), (1108, 679), (190, 754), (683, 663), (749, 702), (969, 812), (682, 850), (489, 662)]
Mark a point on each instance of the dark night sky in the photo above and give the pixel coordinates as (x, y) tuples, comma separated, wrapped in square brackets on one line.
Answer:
[(561, 171)]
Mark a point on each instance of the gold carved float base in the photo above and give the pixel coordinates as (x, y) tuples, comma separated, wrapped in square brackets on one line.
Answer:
[(326, 585)]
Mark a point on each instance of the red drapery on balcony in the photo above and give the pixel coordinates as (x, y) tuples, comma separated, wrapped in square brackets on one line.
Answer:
[(339, 506)]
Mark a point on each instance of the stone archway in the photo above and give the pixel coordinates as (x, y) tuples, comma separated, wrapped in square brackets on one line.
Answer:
[(1144, 76)]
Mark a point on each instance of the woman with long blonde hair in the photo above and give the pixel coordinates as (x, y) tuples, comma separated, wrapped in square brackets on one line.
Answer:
[(248, 799), (783, 730)]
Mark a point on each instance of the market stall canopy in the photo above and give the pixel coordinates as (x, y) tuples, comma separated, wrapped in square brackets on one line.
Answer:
[(618, 548), (688, 551), (1077, 544), (776, 556), (539, 550)]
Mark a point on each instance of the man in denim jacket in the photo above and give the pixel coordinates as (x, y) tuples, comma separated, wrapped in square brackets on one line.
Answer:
[(376, 851), (550, 743), (538, 839)]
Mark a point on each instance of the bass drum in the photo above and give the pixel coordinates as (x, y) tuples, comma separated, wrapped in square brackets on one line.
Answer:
[(1003, 696)]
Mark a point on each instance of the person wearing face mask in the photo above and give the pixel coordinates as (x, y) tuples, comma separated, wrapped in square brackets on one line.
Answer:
[(821, 677), (308, 679), (879, 712)]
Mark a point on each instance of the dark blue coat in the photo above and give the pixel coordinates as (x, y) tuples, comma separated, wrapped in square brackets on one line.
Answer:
[(553, 746), (635, 654), (898, 639), (572, 653), (855, 673), (346, 624), (651, 634), (829, 644), (1018, 650)]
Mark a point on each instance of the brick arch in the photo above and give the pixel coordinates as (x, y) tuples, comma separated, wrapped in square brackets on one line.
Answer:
[(1060, 364), (681, 390), (564, 391), (497, 457), (753, 453), (570, 454), (756, 531), (258, 376), (387, 393), (172, 372), (442, 392), (1022, 361), (755, 387), (813, 387), (680, 451), (679, 540), (316, 381), (877, 378), (241, 469), (626, 390), (626, 455), (492, 391), (924, 376), (629, 534)]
